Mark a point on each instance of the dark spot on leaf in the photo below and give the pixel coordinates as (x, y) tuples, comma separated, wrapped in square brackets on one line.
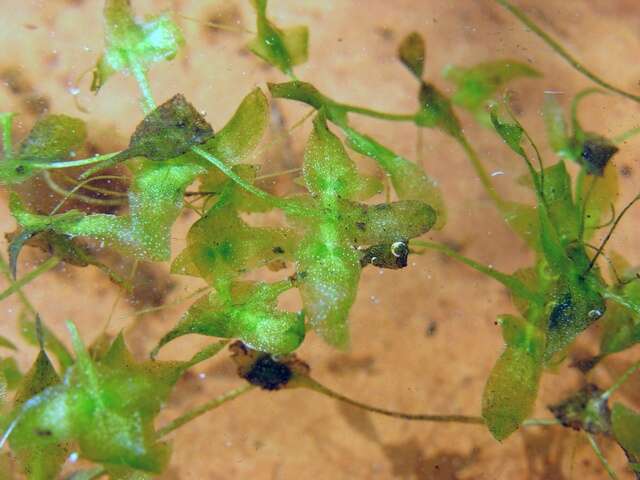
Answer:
[(585, 410), (278, 250), (596, 153)]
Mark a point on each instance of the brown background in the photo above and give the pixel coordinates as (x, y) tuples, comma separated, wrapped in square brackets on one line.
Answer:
[(424, 338)]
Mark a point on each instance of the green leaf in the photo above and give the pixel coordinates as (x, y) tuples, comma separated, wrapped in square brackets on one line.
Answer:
[(132, 46), (53, 137), (40, 376), (11, 373), (436, 111), (248, 312), (477, 85), (620, 325), (512, 387), (242, 133), (409, 180), (328, 271), (626, 428), (556, 126), (168, 131), (511, 133), (601, 193), (282, 48), (329, 173), (6, 343), (412, 53), (559, 201), (221, 245)]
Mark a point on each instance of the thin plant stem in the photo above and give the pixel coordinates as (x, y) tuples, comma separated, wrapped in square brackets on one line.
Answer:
[(624, 136), (394, 117), (66, 194), (509, 281), (228, 171), (7, 141), (219, 26), (32, 275), (140, 74), (520, 15), (202, 409), (167, 305), (315, 386), (4, 266), (621, 380), (594, 445), (278, 174), (611, 230), (478, 166), (74, 163)]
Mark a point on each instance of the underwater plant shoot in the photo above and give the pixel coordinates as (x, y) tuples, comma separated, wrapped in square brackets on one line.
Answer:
[(280, 239)]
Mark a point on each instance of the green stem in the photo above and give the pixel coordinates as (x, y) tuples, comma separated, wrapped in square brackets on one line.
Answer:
[(140, 74), (624, 136), (311, 384), (610, 471), (74, 163), (7, 142), (394, 117), (509, 281), (228, 171), (484, 177), (202, 409), (32, 275), (4, 266), (623, 378), (520, 15)]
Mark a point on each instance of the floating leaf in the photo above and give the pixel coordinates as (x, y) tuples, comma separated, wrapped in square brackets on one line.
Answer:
[(412, 53), (282, 48), (132, 46), (512, 387)]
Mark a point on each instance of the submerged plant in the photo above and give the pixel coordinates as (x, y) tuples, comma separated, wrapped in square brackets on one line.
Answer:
[(101, 403)]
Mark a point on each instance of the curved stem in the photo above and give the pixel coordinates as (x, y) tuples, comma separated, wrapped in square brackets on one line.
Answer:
[(394, 117), (611, 230), (6, 271), (66, 194), (32, 275), (624, 136), (509, 281), (520, 15), (140, 74), (610, 471), (312, 384), (74, 163), (484, 177), (623, 378), (202, 409), (228, 171)]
